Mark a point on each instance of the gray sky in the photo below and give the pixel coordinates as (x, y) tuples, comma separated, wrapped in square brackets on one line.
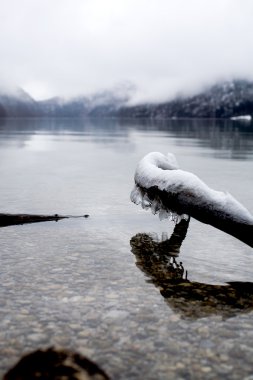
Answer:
[(71, 47)]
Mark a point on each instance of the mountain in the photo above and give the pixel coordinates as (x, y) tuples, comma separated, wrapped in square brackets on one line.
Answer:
[(223, 100), (106, 103), (17, 103), (59, 107)]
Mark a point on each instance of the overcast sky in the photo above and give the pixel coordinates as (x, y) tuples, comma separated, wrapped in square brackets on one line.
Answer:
[(71, 47)]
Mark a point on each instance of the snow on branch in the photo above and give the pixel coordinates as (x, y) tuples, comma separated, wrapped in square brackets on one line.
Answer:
[(175, 194)]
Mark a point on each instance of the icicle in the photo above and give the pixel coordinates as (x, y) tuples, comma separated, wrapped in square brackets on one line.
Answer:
[(136, 195), (146, 203), (163, 214), (155, 207)]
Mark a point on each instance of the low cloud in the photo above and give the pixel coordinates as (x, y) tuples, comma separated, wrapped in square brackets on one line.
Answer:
[(163, 47)]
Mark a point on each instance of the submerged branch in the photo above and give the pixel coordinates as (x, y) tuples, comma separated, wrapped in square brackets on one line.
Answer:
[(13, 219)]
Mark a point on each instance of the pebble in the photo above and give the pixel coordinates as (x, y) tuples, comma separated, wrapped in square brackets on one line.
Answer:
[(112, 295), (174, 318), (89, 299), (116, 314), (74, 326), (206, 369), (76, 299), (204, 331), (37, 337)]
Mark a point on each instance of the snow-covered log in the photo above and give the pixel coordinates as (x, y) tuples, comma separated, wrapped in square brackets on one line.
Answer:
[(174, 193)]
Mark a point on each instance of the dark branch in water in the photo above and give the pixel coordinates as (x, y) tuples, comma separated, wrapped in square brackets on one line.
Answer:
[(13, 219), (189, 298)]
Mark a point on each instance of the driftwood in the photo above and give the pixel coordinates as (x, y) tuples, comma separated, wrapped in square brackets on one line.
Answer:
[(165, 189), (12, 219), (232, 226)]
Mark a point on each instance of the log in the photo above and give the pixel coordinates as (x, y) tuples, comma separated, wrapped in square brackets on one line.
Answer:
[(174, 193), (13, 219)]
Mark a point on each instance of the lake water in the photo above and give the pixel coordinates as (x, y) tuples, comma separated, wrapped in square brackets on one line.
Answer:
[(75, 283)]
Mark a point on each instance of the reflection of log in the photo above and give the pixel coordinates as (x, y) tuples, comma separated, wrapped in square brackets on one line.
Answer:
[(191, 299), (11, 219), (164, 188), (197, 300), (145, 244), (53, 364)]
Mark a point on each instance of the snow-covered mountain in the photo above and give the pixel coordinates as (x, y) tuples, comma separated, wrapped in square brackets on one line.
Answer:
[(223, 100)]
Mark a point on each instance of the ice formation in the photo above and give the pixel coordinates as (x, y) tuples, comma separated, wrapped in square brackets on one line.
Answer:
[(242, 117), (174, 193)]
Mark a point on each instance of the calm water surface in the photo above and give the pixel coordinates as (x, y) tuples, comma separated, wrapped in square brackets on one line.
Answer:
[(75, 283)]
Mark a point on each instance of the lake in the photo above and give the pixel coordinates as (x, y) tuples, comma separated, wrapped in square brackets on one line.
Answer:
[(75, 283)]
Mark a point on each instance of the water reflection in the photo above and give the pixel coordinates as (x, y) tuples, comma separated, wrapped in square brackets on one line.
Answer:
[(157, 260), (227, 139)]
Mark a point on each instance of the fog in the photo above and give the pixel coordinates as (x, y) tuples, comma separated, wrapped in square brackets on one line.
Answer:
[(162, 47)]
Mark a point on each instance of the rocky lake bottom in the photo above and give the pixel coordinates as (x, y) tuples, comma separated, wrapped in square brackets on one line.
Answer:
[(105, 286)]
